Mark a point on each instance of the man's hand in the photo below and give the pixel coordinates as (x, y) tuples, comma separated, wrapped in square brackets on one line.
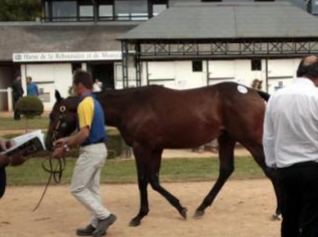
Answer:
[(13, 160), (61, 142), (17, 159), (58, 152), (3, 144), (6, 144)]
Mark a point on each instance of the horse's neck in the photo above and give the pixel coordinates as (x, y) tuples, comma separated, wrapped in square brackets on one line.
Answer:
[(114, 106)]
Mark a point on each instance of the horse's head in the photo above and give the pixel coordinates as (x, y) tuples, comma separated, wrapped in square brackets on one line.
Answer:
[(63, 119)]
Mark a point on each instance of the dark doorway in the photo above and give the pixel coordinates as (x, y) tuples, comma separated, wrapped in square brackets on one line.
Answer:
[(104, 72)]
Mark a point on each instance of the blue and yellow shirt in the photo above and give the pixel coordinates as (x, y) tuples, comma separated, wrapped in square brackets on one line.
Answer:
[(90, 114)]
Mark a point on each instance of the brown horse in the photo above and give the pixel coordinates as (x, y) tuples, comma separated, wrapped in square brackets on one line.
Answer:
[(153, 118)]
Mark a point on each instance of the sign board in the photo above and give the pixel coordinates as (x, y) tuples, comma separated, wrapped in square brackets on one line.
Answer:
[(67, 56)]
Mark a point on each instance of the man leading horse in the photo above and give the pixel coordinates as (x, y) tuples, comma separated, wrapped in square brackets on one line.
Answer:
[(91, 138)]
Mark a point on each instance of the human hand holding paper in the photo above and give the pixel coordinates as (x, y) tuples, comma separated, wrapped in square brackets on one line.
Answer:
[(13, 160), (34, 141), (6, 144)]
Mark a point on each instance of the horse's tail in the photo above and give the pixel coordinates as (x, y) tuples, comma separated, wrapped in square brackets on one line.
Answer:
[(263, 94)]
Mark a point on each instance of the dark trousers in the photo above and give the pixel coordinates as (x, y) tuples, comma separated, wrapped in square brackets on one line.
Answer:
[(16, 114), (299, 188), (3, 181)]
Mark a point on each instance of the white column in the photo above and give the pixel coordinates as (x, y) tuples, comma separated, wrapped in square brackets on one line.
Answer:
[(23, 78), (84, 66), (10, 102)]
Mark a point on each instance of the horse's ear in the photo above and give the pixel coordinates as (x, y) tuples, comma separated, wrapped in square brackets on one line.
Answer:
[(58, 96)]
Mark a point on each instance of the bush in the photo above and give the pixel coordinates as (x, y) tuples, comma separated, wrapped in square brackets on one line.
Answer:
[(30, 106)]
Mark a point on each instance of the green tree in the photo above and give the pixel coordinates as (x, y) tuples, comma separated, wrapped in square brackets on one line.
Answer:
[(20, 10)]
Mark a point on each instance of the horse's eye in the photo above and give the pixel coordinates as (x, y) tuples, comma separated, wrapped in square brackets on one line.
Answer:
[(62, 109)]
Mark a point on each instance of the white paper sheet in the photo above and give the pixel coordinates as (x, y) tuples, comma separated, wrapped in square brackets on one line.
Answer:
[(20, 140)]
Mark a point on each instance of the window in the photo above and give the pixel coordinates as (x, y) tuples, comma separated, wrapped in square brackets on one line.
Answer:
[(158, 8), (86, 9), (197, 66), (131, 10), (256, 65), (314, 7), (64, 10), (106, 11)]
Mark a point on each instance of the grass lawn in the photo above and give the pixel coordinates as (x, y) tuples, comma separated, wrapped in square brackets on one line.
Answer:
[(36, 123), (124, 171)]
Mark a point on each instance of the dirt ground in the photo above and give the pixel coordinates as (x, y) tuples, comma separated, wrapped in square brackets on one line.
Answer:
[(243, 209)]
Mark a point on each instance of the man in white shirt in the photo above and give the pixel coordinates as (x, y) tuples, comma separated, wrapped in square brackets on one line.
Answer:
[(291, 145)]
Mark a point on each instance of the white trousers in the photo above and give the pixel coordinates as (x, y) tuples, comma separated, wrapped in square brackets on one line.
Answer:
[(86, 180)]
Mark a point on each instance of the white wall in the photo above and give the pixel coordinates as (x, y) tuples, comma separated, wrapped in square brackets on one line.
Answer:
[(179, 74), (221, 70), (176, 74), (186, 78), (49, 77), (281, 72), (162, 73)]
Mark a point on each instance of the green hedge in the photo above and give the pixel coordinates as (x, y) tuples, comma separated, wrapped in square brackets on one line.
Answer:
[(115, 145)]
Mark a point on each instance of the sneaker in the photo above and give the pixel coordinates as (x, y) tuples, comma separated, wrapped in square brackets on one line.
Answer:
[(103, 225), (87, 231)]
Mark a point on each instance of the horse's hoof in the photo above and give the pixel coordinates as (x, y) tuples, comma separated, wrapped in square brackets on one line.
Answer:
[(183, 213), (134, 223), (198, 214), (275, 217)]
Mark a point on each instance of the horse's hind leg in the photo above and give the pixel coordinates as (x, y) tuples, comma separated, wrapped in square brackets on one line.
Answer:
[(258, 155), (155, 183), (226, 157)]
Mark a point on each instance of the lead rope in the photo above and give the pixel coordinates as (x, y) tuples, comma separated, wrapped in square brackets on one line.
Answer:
[(56, 174)]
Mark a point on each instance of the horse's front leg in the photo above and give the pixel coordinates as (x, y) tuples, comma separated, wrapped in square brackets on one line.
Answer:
[(155, 163), (142, 184), (226, 157)]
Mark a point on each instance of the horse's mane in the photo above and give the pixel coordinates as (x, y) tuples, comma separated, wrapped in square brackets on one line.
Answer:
[(73, 98), (131, 89), (76, 99)]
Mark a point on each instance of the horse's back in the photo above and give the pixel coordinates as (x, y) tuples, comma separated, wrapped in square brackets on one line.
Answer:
[(187, 118)]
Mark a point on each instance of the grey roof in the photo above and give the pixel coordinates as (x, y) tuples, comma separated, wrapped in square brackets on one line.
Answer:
[(25, 37), (227, 21)]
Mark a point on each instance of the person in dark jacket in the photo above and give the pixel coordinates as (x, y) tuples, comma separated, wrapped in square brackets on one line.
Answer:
[(17, 93)]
